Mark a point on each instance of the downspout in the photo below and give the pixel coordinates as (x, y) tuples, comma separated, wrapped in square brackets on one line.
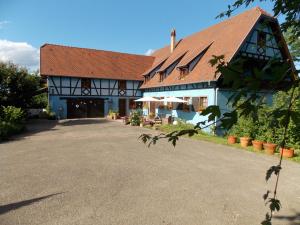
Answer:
[(216, 89)]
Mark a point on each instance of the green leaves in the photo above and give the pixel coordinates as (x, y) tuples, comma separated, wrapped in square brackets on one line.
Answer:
[(212, 111), (229, 119), (172, 137)]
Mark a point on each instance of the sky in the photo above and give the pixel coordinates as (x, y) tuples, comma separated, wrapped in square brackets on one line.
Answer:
[(131, 26)]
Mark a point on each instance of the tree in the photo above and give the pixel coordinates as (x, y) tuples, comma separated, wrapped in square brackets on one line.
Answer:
[(275, 72), (294, 45), (17, 86)]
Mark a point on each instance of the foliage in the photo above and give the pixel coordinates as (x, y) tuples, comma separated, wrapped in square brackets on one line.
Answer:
[(112, 112), (12, 114), (17, 86), (11, 121), (135, 117), (39, 101), (294, 44)]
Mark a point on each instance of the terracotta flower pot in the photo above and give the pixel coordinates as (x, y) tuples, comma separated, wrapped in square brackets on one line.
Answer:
[(245, 141), (231, 139), (287, 152), (270, 148), (257, 145)]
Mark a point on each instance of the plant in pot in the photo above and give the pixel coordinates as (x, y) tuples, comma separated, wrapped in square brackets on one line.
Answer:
[(115, 115), (247, 128), (233, 133), (110, 114), (287, 152), (258, 138), (135, 118), (258, 143), (269, 145)]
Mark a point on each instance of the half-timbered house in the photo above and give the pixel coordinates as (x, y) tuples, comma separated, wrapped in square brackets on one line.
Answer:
[(182, 69), (88, 83)]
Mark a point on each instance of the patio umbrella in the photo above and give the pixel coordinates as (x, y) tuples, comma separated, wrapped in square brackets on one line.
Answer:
[(173, 99), (147, 99)]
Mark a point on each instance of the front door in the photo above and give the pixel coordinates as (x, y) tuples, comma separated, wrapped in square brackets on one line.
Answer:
[(122, 107)]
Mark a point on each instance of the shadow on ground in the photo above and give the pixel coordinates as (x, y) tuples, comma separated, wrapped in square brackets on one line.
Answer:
[(32, 127), (290, 220), (73, 122), (16, 205)]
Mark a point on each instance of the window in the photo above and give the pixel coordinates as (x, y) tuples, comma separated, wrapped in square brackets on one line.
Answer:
[(183, 72), (86, 83), (122, 84), (161, 76), (261, 42), (203, 103), (146, 78), (186, 106)]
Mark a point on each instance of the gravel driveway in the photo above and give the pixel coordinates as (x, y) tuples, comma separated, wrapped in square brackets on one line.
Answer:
[(88, 172)]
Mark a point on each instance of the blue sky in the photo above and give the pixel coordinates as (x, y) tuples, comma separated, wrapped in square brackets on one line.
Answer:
[(127, 26)]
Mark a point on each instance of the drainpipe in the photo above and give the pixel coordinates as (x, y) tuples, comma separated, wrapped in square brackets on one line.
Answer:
[(216, 100)]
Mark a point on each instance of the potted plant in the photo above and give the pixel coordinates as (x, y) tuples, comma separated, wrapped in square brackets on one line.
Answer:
[(115, 115), (269, 145), (135, 118), (287, 152), (245, 141), (258, 141), (233, 134), (246, 133)]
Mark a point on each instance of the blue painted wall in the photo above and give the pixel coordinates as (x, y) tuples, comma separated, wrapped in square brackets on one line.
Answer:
[(58, 104), (59, 90), (189, 117)]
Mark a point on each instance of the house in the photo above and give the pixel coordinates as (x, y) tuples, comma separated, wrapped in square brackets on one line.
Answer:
[(88, 83), (108, 80)]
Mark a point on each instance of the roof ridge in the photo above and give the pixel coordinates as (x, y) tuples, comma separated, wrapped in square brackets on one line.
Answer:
[(257, 8), (93, 49)]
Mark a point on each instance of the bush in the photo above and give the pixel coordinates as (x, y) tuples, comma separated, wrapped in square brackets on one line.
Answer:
[(39, 101), (12, 114), (268, 123), (11, 121), (135, 118)]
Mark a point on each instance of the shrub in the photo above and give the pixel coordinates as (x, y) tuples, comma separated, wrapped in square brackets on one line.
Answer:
[(135, 118), (11, 121), (12, 115)]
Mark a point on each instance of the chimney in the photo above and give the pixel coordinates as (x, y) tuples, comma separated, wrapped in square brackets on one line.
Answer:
[(173, 40)]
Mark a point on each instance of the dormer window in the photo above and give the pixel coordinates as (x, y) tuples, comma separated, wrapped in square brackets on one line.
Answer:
[(146, 78), (161, 76), (183, 72)]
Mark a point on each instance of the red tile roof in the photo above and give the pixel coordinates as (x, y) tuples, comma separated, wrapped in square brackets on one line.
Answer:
[(226, 38), (59, 60)]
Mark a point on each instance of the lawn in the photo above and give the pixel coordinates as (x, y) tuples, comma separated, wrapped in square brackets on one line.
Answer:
[(217, 139)]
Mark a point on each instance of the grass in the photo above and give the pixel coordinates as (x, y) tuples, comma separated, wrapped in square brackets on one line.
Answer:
[(215, 139)]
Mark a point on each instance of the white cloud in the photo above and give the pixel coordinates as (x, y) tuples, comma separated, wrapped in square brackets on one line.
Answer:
[(150, 51), (20, 53), (3, 23)]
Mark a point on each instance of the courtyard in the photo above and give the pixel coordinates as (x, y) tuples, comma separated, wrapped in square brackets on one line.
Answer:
[(95, 171)]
